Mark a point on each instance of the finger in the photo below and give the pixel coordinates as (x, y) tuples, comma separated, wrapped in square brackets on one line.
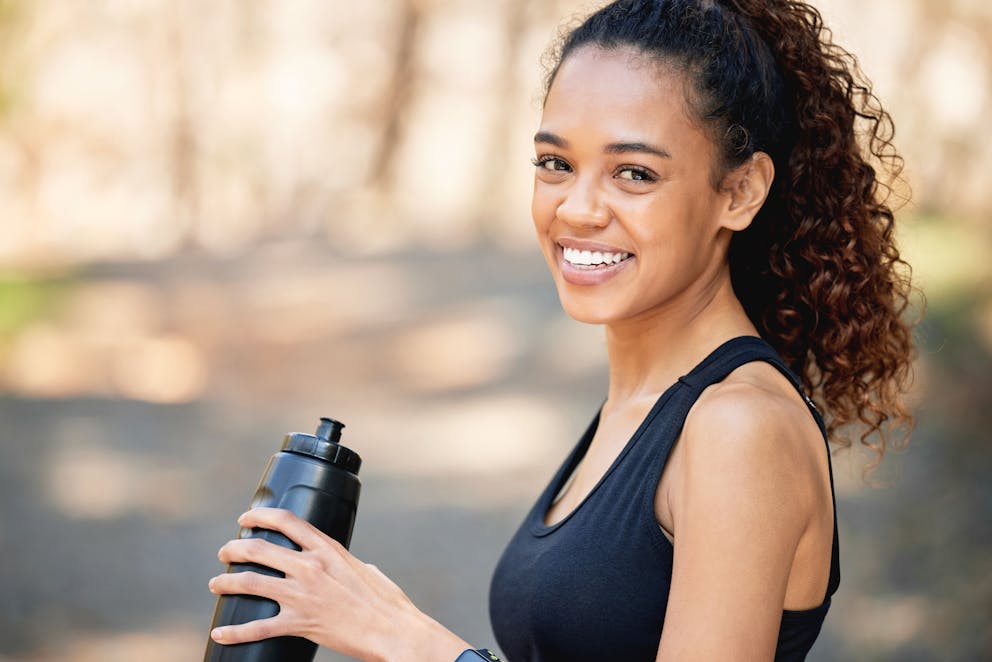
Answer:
[(256, 550), (303, 533), (247, 583), (250, 631)]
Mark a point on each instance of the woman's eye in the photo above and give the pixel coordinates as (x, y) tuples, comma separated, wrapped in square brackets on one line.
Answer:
[(636, 175), (551, 164)]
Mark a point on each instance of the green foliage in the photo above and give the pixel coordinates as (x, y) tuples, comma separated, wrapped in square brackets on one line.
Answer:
[(949, 256), (23, 300)]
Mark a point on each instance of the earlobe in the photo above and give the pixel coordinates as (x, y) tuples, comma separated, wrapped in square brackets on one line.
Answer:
[(748, 188)]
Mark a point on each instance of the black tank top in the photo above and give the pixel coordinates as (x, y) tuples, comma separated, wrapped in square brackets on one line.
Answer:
[(594, 586)]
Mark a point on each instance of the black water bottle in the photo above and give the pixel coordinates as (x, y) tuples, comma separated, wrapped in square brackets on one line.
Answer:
[(316, 478)]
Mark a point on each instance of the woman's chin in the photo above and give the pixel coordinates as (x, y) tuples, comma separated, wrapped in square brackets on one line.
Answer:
[(587, 312)]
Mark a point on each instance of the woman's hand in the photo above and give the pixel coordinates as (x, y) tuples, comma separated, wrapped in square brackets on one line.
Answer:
[(327, 596)]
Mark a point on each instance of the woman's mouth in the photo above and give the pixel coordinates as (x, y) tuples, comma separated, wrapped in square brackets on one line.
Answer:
[(592, 259), (592, 267)]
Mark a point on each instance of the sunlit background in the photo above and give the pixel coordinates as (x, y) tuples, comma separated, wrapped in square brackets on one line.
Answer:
[(221, 220)]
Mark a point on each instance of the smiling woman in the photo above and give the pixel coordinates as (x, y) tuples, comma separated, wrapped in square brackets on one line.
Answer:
[(622, 168), (702, 193)]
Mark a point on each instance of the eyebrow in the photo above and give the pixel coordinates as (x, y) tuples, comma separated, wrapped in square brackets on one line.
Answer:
[(612, 148), (623, 148), (550, 138)]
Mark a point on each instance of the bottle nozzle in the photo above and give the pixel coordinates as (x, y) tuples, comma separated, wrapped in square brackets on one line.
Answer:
[(329, 430)]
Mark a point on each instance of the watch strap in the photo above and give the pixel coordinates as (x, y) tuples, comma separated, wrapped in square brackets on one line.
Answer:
[(470, 655)]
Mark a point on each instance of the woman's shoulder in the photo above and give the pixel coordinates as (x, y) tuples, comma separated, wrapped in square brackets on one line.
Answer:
[(754, 431)]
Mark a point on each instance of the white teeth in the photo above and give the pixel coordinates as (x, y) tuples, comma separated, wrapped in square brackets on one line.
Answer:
[(592, 258)]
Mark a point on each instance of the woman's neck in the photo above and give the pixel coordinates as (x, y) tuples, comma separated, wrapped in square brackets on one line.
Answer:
[(649, 353)]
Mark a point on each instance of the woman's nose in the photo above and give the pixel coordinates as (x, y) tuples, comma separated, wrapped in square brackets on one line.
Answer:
[(583, 205)]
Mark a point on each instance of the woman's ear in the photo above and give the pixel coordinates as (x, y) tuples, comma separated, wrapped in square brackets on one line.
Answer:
[(747, 187)]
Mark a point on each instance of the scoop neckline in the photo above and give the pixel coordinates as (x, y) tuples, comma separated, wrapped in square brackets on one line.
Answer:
[(538, 527)]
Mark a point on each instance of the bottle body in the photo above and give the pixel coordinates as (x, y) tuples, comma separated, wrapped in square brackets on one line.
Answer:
[(321, 491)]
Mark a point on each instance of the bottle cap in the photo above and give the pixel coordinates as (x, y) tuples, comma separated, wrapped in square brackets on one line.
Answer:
[(324, 445)]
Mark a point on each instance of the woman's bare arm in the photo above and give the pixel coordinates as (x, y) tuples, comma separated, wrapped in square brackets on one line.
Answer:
[(744, 496)]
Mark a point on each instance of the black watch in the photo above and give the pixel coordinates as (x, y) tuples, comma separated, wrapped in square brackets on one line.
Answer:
[(480, 654)]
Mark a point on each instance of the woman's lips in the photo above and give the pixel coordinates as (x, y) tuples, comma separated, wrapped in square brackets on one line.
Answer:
[(588, 267)]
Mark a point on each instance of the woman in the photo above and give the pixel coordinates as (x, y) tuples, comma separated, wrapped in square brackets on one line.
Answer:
[(700, 192)]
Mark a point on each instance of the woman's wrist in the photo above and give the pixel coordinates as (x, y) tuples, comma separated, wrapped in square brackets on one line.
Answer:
[(417, 637)]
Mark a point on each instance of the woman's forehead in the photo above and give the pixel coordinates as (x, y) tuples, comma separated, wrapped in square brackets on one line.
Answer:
[(619, 93), (622, 71)]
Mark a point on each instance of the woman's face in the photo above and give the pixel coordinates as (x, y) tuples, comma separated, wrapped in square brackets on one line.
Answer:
[(625, 212)]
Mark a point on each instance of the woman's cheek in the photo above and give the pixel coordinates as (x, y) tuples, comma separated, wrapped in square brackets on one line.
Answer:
[(542, 211), (541, 208)]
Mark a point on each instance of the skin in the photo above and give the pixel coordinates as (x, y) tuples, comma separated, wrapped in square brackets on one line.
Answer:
[(745, 495)]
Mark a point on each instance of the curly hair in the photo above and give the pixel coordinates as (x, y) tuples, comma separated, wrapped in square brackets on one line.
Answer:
[(818, 271)]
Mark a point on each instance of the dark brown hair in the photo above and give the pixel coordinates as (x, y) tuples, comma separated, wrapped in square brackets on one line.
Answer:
[(818, 271)]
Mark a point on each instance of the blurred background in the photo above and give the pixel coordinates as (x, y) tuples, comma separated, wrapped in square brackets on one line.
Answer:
[(220, 221)]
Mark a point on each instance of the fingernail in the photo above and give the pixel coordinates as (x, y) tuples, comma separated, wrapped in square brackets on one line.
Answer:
[(211, 582), (216, 634)]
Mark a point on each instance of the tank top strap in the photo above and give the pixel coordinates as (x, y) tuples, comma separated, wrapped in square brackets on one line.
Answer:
[(731, 355), (721, 362), (668, 419)]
